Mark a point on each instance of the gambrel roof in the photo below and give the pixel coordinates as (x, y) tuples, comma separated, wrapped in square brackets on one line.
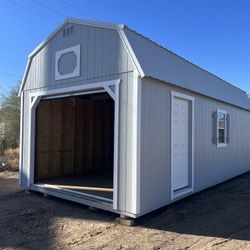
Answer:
[(155, 61)]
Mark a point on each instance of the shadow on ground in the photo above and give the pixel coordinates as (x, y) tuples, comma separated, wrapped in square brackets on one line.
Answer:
[(35, 222), (221, 211)]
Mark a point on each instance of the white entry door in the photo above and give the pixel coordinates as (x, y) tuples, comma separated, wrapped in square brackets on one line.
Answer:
[(180, 130)]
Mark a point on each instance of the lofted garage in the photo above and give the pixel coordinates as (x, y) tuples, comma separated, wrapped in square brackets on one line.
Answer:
[(112, 120)]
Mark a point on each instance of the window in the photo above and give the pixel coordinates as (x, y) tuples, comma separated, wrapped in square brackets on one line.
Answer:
[(67, 63), (221, 128)]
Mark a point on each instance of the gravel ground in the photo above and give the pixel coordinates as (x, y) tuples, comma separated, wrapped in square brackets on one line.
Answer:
[(217, 218)]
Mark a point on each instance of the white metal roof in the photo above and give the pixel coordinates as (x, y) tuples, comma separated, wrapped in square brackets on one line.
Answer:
[(153, 60), (160, 63)]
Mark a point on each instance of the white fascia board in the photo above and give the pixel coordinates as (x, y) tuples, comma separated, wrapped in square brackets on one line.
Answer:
[(24, 76), (130, 52)]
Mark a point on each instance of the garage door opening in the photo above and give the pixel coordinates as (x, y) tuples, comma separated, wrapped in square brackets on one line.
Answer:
[(74, 145)]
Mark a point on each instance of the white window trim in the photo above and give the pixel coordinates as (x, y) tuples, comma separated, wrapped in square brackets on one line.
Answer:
[(221, 145), (189, 189), (34, 99), (76, 72)]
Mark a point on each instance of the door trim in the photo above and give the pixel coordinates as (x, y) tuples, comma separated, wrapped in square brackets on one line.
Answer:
[(84, 89), (190, 188)]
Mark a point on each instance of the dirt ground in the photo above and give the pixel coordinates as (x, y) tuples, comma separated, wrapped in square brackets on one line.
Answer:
[(217, 218)]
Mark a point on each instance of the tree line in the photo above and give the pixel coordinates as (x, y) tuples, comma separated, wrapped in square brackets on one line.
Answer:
[(9, 119)]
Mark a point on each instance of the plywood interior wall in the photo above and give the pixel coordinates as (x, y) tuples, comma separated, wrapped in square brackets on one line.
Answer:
[(74, 135)]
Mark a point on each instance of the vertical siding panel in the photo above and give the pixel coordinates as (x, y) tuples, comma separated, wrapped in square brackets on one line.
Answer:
[(210, 109), (98, 65), (155, 145), (114, 53), (53, 49), (104, 67), (91, 39), (197, 145), (38, 72), (123, 59), (35, 79), (43, 69), (84, 50)]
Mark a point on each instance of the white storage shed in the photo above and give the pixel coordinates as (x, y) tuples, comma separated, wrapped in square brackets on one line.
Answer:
[(113, 120)]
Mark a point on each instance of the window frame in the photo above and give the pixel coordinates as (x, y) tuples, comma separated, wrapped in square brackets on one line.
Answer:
[(224, 144), (76, 72)]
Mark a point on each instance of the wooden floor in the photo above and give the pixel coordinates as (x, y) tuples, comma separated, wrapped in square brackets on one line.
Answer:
[(93, 184)]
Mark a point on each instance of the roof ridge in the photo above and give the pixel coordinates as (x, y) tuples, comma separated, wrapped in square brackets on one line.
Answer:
[(93, 22)]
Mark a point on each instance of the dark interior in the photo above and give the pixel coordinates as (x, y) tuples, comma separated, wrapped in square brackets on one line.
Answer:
[(75, 143)]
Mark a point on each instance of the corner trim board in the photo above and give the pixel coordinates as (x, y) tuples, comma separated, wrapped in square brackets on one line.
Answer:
[(136, 144)]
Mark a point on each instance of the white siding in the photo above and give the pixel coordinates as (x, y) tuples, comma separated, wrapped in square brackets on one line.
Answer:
[(212, 165), (102, 55), (103, 58)]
